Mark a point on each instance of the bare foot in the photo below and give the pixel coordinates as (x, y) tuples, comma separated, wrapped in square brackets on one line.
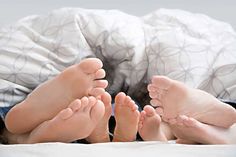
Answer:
[(190, 131), (73, 123), (127, 117), (150, 125), (101, 132), (79, 80), (173, 98)]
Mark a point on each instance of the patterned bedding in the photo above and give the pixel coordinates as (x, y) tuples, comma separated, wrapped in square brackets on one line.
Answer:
[(192, 48)]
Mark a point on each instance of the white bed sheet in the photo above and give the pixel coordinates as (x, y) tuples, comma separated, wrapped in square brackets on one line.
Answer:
[(137, 149)]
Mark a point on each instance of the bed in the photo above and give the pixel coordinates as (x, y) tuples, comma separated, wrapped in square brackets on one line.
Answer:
[(72, 34), (118, 149)]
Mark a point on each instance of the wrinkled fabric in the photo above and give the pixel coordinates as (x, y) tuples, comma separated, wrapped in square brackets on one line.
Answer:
[(192, 48)]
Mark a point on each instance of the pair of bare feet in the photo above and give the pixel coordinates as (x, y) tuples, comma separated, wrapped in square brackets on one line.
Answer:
[(194, 116), (46, 116), (72, 106)]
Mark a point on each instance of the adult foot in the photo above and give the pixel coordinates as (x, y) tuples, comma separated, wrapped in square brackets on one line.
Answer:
[(101, 132), (150, 125), (190, 131), (127, 116), (76, 81), (73, 123), (173, 98)]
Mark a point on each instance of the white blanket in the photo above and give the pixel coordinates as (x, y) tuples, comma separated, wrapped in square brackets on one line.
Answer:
[(134, 149), (191, 48)]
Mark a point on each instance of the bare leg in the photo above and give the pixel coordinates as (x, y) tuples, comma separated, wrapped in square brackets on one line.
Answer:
[(101, 132), (75, 122), (127, 117), (189, 131), (173, 98), (54, 95), (150, 125)]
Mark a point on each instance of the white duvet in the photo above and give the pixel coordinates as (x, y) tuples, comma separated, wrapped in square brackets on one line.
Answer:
[(191, 48)]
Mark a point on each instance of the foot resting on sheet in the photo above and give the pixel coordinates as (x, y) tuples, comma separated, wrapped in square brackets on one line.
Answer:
[(150, 125), (173, 98), (75, 122), (51, 97), (190, 131), (101, 132), (127, 117)]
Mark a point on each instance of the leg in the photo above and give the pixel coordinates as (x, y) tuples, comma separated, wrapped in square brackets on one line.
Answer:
[(150, 125), (127, 117), (101, 132), (54, 95), (173, 98), (75, 122), (192, 131)]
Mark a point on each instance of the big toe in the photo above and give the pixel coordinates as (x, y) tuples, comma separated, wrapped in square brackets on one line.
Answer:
[(97, 111), (91, 65), (120, 98), (106, 98), (150, 111), (161, 82)]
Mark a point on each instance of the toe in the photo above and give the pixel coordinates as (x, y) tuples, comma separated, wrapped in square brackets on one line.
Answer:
[(151, 88), (84, 103), (75, 105), (97, 91), (159, 110), (149, 110), (156, 103), (161, 82), (120, 98), (132, 105), (97, 111), (100, 74), (106, 98), (90, 65), (91, 102), (65, 114), (100, 83)]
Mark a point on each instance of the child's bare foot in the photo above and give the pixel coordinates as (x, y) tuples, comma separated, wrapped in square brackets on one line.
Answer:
[(150, 125), (101, 131), (73, 123), (173, 98), (127, 117), (190, 131), (51, 97)]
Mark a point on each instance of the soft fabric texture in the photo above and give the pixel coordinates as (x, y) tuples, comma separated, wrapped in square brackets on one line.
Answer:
[(191, 48), (137, 149)]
